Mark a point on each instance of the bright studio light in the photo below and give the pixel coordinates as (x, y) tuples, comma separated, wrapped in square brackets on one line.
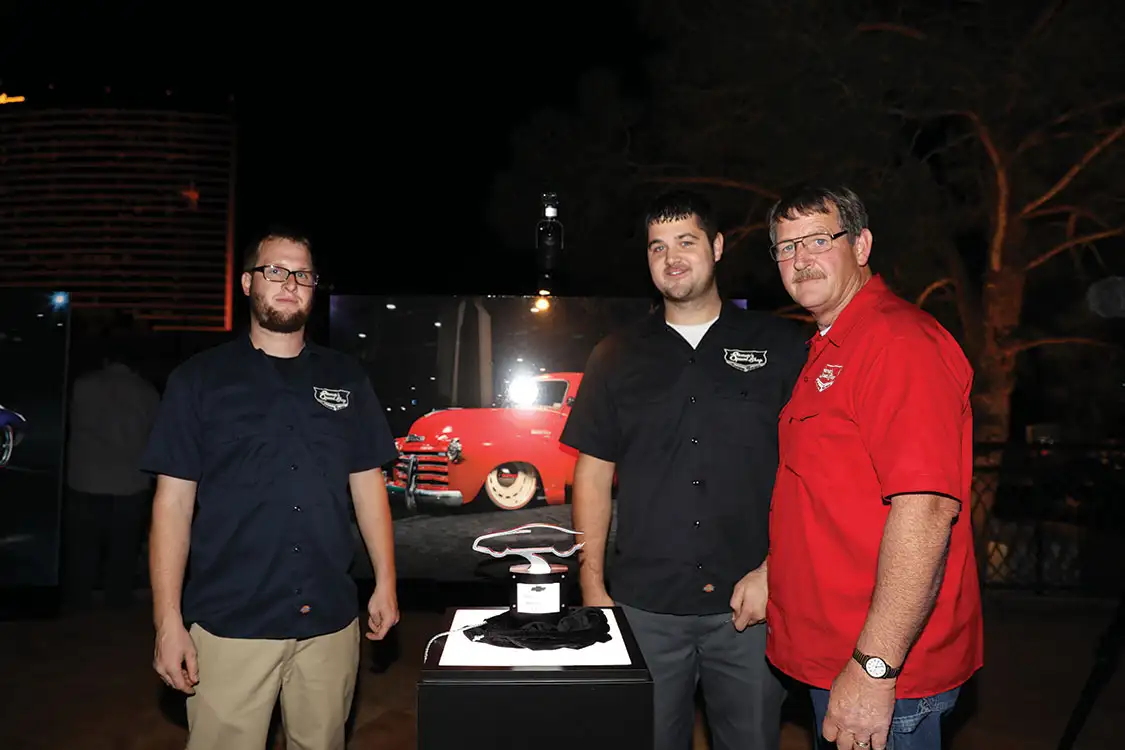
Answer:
[(523, 391), (542, 304)]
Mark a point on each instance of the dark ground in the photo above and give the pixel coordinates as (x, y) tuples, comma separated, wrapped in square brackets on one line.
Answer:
[(84, 682)]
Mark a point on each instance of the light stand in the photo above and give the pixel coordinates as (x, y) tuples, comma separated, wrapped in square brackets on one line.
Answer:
[(549, 242)]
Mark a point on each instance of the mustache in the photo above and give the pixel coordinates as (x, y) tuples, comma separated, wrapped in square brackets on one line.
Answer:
[(809, 274)]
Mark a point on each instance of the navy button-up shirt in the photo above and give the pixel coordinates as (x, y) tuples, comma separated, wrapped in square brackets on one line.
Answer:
[(693, 434), (271, 443)]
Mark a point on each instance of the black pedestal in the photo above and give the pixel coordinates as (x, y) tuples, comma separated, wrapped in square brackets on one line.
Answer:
[(545, 708)]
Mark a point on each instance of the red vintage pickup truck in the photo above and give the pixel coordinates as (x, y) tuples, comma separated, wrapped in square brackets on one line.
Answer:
[(510, 454)]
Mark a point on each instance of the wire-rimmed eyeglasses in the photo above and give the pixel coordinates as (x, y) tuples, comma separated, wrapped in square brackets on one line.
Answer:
[(280, 275), (814, 243)]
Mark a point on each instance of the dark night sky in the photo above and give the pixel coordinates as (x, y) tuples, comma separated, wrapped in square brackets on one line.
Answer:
[(377, 132)]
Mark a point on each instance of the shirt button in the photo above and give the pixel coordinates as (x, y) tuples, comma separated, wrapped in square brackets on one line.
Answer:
[(698, 483), (691, 399), (691, 360), (305, 609), (699, 566), (297, 508), (296, 548), (697, 524), (695, 441), (296, 592), (293, 467)]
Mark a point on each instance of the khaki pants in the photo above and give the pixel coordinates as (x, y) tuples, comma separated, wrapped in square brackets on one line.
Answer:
[(239, 682)]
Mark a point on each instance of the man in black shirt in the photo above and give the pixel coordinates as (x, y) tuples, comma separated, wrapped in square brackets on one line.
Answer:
[(256, 446), (683, 408)]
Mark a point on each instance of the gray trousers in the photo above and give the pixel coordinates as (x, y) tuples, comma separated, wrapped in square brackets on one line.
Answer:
[(742, 697)]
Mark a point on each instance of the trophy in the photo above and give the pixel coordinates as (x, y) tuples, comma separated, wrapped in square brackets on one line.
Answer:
[(538, 590)]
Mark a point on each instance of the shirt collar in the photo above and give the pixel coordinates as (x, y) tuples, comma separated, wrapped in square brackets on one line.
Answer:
[(855, 311), (247, 347), (728, 313)]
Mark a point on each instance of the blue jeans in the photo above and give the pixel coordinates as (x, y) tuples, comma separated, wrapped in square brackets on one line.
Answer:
[(916, 724)]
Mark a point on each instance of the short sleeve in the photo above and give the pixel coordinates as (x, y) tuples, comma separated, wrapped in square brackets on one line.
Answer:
[(374, 444), (173, 447), (913, 417), (592, 427)]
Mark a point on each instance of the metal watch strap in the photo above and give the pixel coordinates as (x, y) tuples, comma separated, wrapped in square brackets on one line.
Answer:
[(862, 658)]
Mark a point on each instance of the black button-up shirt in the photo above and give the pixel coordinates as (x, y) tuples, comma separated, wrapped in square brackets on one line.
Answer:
[(271, 443), (693, 434)]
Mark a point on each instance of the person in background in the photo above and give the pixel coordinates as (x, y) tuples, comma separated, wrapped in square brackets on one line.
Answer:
[(260, 447), (108, 498), (682, 408), (874, 598)]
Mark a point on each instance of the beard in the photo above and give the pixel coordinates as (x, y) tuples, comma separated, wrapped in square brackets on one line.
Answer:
[(275, 320), (700, 283)]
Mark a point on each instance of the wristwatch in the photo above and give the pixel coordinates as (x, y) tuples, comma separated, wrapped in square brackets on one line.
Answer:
[(876, 668)]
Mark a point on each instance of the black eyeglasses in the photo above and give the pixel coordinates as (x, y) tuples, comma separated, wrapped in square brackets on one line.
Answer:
[(814, 243), (280, 275)]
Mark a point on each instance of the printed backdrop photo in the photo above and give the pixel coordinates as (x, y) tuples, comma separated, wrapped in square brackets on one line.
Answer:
[(477, 391), (34, 341)]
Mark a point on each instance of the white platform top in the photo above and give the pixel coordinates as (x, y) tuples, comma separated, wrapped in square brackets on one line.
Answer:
[(459, 651)]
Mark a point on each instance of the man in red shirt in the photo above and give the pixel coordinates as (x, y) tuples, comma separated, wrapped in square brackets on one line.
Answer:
[(874, 599)]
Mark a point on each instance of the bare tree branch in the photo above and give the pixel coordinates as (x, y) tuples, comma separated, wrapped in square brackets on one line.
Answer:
[(1079, 211), (1036, 136), (948, 146), (1023, 346), (1003, 193), (933, 287), (1071, 173), (738, 235), (891, 28), (745, 229), (715, 181), (1073, 242), (1044, 19), (1003, 189)]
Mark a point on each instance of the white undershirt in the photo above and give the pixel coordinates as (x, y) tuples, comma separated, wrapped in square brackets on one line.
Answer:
[(826, 330), (694, 333)]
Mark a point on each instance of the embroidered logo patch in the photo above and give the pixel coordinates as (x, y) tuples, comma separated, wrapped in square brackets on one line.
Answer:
[(745, 359), (825, 380), (331, 398)]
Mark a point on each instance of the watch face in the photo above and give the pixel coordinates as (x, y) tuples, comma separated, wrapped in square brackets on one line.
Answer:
[(876, 667)]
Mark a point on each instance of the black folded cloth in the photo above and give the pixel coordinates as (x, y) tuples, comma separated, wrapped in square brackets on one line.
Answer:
[(578, 628)]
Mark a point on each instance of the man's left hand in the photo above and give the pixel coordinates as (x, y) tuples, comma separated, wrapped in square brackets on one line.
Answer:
[(859, 710), (382, 612)]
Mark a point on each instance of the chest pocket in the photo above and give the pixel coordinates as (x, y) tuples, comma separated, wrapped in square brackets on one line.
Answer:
[(800, 432), (330, 433), (239, 430), (645, 406), (746, 412)]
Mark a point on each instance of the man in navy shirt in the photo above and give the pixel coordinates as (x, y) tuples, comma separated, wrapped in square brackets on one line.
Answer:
[(682, 409), (256, 446)]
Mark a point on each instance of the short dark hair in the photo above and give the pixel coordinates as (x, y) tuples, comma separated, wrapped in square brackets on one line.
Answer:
[(805, 199), (674, 205), (273, 235)]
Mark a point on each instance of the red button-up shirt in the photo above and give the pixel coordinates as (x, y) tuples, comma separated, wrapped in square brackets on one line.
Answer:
[(880, 409)]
